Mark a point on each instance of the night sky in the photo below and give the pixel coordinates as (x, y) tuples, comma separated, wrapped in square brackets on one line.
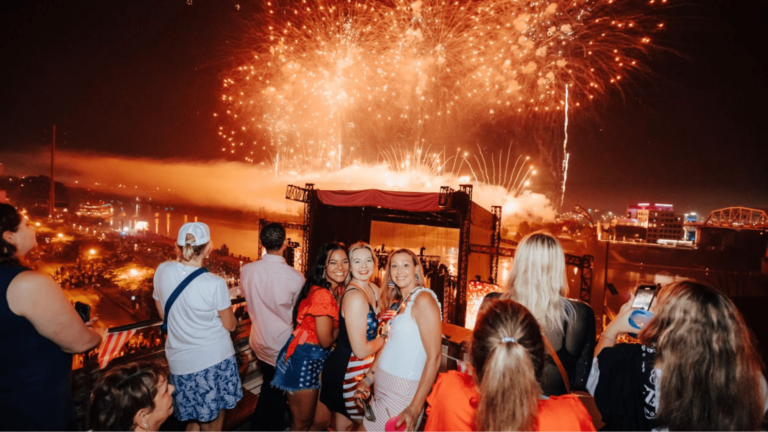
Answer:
[(142, 78)]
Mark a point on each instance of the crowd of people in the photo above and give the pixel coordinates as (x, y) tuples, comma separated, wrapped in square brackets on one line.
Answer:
[(337, 351)]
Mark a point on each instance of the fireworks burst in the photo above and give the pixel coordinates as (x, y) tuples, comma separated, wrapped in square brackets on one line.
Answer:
[(326, 80)]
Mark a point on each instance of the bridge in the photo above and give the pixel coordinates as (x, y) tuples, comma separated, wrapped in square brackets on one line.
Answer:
[(738, 217)]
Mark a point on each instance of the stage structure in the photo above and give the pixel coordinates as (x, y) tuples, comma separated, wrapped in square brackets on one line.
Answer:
[(347, 216)]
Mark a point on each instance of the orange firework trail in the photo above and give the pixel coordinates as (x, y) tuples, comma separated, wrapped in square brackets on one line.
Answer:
[(327, 80)]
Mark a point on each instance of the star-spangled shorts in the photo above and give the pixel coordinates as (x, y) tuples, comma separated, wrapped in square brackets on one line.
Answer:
[(302, 370)]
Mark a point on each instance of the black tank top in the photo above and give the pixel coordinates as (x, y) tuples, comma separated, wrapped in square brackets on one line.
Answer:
[(35, 374)]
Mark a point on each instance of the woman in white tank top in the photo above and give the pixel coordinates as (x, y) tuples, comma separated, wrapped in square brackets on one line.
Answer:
[(406, 368)]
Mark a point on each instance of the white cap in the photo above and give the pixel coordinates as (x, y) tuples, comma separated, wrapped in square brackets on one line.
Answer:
[(198, 229)]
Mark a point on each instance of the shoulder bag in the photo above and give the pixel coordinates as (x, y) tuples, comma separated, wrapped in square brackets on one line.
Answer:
[(177, 292), (586, 399)]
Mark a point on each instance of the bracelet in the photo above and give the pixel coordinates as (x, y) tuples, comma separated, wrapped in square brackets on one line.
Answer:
[(602, 336), (367, 380)]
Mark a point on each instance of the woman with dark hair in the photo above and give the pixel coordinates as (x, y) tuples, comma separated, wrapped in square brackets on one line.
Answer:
[(707, 374), (132, 397), (39, 332), (197, 313), (403, 373), (508, 355), (315, 322), (538, 281)]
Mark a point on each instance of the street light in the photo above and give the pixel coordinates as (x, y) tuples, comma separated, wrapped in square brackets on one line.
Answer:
[(92, 252)]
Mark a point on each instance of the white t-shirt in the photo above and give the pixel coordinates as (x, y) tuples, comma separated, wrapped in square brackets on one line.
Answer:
[(196, 339)]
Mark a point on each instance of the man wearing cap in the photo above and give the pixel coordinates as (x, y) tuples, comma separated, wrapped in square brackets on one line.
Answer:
[(270, 286)]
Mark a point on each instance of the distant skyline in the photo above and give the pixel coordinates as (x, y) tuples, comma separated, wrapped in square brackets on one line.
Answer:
[(142, 79)]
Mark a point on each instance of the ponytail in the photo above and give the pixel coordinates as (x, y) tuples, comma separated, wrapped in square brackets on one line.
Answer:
[(509, 391), (508, 355), (188, 252)]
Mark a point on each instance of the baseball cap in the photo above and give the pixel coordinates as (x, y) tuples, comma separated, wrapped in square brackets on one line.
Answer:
[(198, 229)]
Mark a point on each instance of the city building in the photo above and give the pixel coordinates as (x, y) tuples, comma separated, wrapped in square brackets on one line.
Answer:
[(99, 210), (649, 223)]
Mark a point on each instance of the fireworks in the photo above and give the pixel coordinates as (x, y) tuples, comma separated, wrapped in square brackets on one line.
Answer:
[(328, 80)]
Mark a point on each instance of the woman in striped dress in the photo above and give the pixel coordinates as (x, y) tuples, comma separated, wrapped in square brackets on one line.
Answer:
[(356, 346)]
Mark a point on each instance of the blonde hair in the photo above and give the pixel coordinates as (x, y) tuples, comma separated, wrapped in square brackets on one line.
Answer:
[(507, 352), (538, 281), (188, 252), (390, 292), (362, 245), (710, 367)]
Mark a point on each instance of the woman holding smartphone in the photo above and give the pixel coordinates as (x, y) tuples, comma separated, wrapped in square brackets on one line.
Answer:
[(356, 346), (697, 368), (39, 332)]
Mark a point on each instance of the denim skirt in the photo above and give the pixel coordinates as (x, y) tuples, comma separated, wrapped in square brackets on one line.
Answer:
[(302, 370), (201, 395)]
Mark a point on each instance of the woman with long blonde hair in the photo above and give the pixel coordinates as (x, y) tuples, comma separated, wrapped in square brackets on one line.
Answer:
[(508, 356), (538, 281)]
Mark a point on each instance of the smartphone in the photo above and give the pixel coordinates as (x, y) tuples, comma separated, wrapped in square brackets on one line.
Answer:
[(644, 295), (83, 310)]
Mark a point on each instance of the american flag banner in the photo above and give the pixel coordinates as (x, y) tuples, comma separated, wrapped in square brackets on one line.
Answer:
[(112, 345), (465, 367)]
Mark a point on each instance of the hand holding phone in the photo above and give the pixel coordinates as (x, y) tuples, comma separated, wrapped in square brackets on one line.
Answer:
[(644, 296), (84, 310)]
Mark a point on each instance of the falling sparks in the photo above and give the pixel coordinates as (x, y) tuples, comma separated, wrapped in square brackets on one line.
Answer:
[(325, 77), (565, 149)]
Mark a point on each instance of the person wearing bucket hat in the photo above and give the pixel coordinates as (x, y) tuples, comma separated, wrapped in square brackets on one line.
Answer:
[(198, 317)]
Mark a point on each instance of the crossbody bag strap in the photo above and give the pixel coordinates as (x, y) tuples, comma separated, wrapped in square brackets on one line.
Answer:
[(559, 364), (177, 292)]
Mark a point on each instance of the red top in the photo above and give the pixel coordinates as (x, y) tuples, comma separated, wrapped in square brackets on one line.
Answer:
[(319, 302), (454, 398)]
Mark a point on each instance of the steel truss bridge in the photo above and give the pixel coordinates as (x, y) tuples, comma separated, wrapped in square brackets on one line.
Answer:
[(738, 217)]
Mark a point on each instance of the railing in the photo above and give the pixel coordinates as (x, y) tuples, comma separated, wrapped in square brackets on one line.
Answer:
[(148, 342)]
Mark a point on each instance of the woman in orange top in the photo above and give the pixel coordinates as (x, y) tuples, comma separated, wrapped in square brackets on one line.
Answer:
[(316, 325), (508, 355)]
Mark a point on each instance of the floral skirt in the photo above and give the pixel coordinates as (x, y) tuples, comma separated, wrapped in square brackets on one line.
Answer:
[(201, 395)]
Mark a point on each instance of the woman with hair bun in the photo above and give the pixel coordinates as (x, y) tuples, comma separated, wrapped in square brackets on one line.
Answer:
[(198, 316), (39, 332), (132, 397), (538, 281), (503, 394)]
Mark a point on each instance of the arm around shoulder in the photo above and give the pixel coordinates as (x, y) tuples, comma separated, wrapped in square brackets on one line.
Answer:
[(39, 299)]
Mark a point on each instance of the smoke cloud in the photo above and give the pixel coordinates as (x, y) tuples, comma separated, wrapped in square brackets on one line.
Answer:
[(245, 186)]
